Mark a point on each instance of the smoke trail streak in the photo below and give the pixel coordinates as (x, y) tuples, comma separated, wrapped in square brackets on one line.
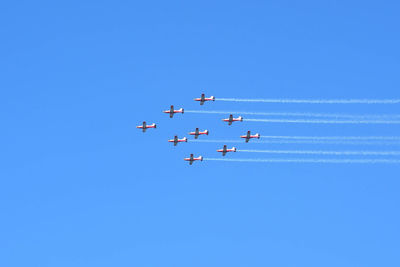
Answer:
[(314, 101), (298, 114), (325, 142), (324, 121), (343, 161), (315, 152), (335, 137)]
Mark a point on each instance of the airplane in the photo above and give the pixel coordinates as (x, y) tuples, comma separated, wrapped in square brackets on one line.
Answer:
[(191, 159), (224, 150), (232, 119), (144, 126), (196, 133), (248, 136), (203, 99), (172, 111), (176, 140)]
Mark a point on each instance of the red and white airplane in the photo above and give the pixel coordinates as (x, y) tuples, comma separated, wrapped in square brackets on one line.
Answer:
[(232, 119), (196, 133), (172, 111), (203, 99), (224, 150), (191, 159), (176, 140), (144, 126), (248, 136)]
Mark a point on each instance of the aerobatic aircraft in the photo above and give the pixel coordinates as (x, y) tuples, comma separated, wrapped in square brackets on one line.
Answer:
[(144, 126), (191, 159), (232, 119), (196, 133), (203, 99), (172, 111), (176, 140), (224, 150), (248, 136)]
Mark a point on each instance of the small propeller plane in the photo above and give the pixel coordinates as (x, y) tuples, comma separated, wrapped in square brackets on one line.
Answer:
[(144, 126), (232, 119), (203, 99), (248, 136), (224, 150), (196, 133), (176, 140), (172, 111), (191, 159)]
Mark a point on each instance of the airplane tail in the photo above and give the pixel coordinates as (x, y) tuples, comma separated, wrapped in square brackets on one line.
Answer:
[(213, 98), (241, 118), (206, 132), (234, 149)]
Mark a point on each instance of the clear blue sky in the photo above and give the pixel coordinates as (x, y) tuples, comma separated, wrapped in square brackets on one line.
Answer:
[(80, 186)]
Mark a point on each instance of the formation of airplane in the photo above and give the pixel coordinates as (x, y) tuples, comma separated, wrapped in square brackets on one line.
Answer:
[(232, 119), (176, 140), (225, 150), (248, 136), (196, 133), (144, 126), (203, 99), (191, 159), (172, 111)]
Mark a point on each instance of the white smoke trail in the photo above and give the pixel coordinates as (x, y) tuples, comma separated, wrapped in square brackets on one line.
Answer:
[(324, 121), (314, 101), (334, 137), (298, 114), (342, 161), (316, 152), (325, 142)]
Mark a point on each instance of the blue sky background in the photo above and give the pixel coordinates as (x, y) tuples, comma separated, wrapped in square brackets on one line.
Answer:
[(80, 186)]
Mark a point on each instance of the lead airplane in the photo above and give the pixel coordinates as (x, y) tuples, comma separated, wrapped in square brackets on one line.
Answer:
[(232, 119), (196, 133), (203, 99), (191, 159), (176, 140), (172, 111), (224, 150), (144, 126), (248, 136)]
